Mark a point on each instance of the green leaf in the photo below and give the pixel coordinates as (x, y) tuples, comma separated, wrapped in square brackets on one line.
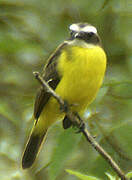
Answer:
[(80, 175), (129, 174), (110, 176), (66, 144)]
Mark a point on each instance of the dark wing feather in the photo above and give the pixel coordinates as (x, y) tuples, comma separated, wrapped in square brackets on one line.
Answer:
[(51, 76)]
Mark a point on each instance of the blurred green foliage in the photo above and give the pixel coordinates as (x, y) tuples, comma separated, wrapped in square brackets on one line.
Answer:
[(29, 31)]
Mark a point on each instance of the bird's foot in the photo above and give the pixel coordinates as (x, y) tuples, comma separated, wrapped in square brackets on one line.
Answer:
[(81, 126), (64, 107)]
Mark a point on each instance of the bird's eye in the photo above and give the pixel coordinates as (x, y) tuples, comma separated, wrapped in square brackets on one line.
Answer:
[(90, 34), (72, 33)]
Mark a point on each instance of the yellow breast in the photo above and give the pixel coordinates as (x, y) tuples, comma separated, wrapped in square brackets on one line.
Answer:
[(82, 71)]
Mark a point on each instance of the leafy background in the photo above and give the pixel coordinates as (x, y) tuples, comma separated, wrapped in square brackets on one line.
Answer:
[(29, 31)]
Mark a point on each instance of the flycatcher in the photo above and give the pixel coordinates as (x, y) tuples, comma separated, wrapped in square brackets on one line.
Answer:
[(75, 71)]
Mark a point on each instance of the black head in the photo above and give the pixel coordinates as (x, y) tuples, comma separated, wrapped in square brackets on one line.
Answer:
[(86, 32)]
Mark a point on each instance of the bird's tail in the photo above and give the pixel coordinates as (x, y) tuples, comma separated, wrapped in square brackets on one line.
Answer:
[(32, 148)]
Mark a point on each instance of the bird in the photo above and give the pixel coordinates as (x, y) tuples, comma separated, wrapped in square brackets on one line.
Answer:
[(75, 71)]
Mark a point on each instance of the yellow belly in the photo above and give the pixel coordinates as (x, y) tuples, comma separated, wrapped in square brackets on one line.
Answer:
[(82, 71), (82, 74)]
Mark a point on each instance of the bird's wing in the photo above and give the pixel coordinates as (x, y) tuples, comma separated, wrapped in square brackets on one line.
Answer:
[(51, 76)]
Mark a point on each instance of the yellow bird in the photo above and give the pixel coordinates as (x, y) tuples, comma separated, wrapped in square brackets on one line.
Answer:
[(75, 71)]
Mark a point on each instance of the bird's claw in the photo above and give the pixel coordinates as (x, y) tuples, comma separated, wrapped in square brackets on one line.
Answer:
[(81, 127), (64, 107)]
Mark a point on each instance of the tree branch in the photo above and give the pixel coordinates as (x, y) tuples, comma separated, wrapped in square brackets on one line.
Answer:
[(78, 123)]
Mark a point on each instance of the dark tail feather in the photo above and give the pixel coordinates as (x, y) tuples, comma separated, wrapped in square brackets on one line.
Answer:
[(32, 149)]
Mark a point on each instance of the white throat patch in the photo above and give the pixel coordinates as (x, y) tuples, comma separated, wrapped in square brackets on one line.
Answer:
[(80, 43)]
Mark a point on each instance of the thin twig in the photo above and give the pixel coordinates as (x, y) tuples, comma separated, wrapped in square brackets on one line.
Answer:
[(105, 155), (78, 122)]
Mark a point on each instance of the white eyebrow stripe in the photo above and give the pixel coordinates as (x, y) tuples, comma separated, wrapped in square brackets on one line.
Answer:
[(74, 27), (90, 29)]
